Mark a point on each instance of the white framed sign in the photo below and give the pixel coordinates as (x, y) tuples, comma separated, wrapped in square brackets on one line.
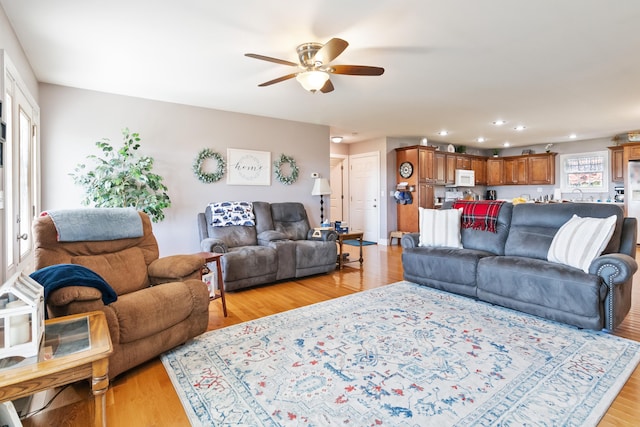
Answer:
[(248, 167)]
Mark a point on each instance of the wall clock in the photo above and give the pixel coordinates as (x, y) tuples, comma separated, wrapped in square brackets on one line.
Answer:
[(406, 169)]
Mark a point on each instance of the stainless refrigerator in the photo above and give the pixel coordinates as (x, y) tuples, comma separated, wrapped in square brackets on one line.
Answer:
[(633, 196)]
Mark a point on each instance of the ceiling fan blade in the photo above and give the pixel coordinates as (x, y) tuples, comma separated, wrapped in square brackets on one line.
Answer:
[(357, 70), (278, 80), (270, 59), (328, 87), (330, 50)]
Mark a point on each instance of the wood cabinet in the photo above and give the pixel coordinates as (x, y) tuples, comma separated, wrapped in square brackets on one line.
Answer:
[(421, 184), (541, 169), (532, 169), (463, 162), (515, 170), (450, 174), (445, 166), (495, 171), (479, 167), (440, 168), (617, 164)]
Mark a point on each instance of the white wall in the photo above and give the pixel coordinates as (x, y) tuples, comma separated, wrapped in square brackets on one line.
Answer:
[(73, 119), (11, 46)]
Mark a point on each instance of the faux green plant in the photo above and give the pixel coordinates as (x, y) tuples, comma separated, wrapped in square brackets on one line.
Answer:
[(121, 178)]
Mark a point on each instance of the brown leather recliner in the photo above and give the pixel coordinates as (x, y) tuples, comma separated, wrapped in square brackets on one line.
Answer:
[(161, 301)]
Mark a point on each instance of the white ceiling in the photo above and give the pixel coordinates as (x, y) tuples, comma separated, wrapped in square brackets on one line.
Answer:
[(557, 67)]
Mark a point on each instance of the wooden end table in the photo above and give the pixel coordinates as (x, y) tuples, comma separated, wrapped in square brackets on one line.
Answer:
[(353, 235), (215, 257), (49, 370)]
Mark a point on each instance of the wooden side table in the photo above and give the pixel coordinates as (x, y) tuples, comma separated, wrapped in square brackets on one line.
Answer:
[(215, 257), (353, 235), (51, 370)]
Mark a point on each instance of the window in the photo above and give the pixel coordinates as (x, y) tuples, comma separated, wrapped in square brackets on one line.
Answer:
[(588, 172)]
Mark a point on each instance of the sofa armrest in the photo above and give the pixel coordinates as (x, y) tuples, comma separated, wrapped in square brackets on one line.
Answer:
[(615, 269), (628, 242), (410, 240), (69, 294), (325, 235), (267, 236), (175, 268), (214, 245)]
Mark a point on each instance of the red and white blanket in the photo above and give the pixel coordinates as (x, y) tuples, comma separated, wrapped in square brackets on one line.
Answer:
[(479, 215)]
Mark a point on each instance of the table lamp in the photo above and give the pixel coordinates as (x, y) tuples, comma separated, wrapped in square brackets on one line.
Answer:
[(321, 188)]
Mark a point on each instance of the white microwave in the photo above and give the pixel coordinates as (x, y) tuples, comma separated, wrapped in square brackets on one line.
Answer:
[(465, 178)]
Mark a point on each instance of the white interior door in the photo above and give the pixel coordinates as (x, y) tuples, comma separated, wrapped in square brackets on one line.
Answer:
[(364, 190), (21, 190), (339, 188)]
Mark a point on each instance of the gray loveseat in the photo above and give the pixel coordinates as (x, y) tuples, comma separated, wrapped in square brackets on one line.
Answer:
[(279, 246), (510, 268)]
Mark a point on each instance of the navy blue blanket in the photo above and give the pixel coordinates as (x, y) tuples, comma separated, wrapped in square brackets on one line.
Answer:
[(60, 275)]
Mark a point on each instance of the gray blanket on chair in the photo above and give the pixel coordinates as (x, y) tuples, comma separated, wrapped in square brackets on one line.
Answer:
[(96, 224)]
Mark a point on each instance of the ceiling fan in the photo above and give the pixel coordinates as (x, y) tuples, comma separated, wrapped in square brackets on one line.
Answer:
[(314, 65)]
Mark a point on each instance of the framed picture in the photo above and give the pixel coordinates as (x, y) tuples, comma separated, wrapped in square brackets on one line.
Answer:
[(248, 167)]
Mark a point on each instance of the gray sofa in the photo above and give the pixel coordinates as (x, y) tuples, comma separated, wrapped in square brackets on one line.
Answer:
[(510, 268), (280, 246)]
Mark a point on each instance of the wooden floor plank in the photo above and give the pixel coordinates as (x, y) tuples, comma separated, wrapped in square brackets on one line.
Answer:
[(144, 395)]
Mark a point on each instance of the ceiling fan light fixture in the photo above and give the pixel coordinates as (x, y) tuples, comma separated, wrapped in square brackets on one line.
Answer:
[(312, 80)]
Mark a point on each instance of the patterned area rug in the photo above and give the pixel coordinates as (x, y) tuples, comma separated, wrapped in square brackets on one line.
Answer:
[(401, 354)]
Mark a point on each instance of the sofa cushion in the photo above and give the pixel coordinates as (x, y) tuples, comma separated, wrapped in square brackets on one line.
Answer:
[(439, 227), (533, 226), (545, 289), (483, 240), (125, 271), (580, 240), (149, 311), (449, 269), (249, 261), (235, 236), (291, 219)]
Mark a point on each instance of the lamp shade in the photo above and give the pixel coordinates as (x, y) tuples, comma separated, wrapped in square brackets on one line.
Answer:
[(312, 80), (321, 187)]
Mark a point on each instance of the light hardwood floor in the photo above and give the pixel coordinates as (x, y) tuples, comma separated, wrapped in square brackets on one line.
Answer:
[(144, 396)]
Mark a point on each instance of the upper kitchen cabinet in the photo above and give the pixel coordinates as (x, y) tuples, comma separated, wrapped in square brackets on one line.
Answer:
[(532, 169), (617, 163), (515, 170), (495, 171), (479, 166), (542, 169)]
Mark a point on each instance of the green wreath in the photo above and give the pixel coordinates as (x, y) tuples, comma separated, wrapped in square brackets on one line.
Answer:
[(286, 179), (209, 177)]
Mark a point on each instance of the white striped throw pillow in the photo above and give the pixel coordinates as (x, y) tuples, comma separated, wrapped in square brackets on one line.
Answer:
[(440, 227), (580, 240)]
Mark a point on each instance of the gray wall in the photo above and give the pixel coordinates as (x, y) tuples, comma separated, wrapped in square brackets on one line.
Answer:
[(173, 134)]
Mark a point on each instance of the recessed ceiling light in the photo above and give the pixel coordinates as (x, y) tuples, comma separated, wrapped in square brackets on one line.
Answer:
[(336, 139), (506, 144), (443, 133), (519, 128), (499, 122), (480, 139), (573, 136)]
